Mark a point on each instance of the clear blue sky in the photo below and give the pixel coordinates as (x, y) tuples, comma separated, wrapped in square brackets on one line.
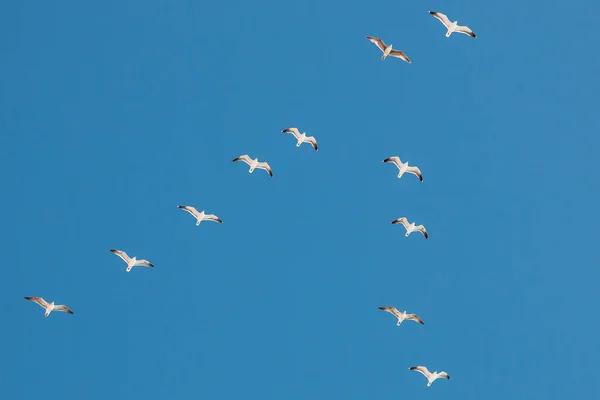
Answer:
[(112, 114)]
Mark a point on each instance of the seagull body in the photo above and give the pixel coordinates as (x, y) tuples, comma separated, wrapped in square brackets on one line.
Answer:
[(411, 227), (387, 50), (49, 307), (431, 376), (254, 163), (402, 315), (404, 167), (452, 26), (132, 261), (200, 216), (302, 138)]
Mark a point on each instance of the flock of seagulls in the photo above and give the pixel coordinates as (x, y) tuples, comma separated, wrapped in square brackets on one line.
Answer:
[(254, 163), (404, 167)]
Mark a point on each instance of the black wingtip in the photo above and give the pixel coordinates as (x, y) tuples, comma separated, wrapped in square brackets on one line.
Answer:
[(412, 368)]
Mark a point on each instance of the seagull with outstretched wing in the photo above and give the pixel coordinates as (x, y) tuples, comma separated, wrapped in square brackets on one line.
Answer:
[(49, 307), (387, 50)]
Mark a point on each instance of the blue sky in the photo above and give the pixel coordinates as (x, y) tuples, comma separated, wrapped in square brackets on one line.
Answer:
[(115, 113)]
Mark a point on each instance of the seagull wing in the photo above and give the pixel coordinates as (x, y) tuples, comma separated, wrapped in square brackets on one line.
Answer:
[(465, 30), (38, 300), (422, 370), (442, 17), (191, 210), (245, 158), (400, 54), (396, 160), (212, 217), (416, 171), (293, 131), (392, 310), (121, 254), (143, 263), (402, 221), (265, 166), (414, 317), (313, 141), (378, 42), (443, 375), (63, 308), (422, 229)]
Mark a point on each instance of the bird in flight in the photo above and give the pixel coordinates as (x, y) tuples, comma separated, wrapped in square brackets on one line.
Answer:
[(403, 167), (302, 138), (410, 227), (49, 307), (401, 315), (200, 216), (431, 376), (132, 261), (387, 50), (254, 163), (452, 26)]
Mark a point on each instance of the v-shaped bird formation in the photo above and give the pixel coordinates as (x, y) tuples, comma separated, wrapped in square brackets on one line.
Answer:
[(301, 138)]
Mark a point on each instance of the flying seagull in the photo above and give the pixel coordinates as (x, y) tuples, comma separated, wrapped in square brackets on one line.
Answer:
[(430, 376), (49, 307), (402, 315), (254, 163), (201, 216), (403, 167), (410, 227), (387, 50), (302, 138), (132, 262), (452, 26)]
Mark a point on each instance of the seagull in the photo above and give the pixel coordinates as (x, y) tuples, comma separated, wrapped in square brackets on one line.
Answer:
[(201, 216), (452, 26), (132, 262), (430, 376), (387, 50), (254, 163), (302, 138), (403, 167), (410, 227), (402, 315), (49, 306)]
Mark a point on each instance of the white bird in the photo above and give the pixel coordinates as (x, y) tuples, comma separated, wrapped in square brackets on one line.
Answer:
[(411, 227), (429, 375), (132, 261), (452, 26), (403, 167), (402, 315), (49, 307), (302, 138), (253, 163), (201, 216), (387, 50)]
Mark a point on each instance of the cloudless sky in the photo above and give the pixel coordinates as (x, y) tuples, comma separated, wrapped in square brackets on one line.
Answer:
[(114, 113)]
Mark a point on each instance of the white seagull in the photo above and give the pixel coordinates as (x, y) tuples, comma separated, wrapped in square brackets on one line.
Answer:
[(403, 167), (452, 26), (429, 375), (410, 227), (49, 307), (302, 138), (132, 262), (387, 50), (201, 216), (402, 315), (254, 163)]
